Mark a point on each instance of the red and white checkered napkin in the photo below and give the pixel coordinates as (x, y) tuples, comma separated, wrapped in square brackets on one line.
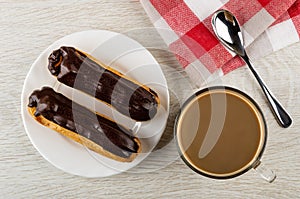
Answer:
[(185, 25)]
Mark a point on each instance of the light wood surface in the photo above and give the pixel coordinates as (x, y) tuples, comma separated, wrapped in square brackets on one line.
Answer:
[(28, 27)]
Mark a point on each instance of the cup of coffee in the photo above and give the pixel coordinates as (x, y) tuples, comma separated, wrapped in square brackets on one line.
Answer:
[(221, 133)]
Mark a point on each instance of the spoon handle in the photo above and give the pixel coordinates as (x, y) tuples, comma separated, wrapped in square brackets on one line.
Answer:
[(280, 114)]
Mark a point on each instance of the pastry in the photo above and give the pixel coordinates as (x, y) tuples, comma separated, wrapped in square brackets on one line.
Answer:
[(78, 123), (79, 70)]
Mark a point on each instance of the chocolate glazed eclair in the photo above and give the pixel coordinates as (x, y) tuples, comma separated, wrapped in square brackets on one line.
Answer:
[(127, 96), (74, 121)]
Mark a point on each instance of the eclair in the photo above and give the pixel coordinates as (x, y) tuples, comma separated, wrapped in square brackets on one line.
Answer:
[(95, 131), (81, 71)]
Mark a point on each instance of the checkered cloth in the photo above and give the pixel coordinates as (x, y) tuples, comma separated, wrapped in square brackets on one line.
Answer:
[(185, 26)]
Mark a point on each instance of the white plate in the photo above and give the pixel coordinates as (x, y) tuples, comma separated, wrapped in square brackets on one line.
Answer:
[(123, 54)]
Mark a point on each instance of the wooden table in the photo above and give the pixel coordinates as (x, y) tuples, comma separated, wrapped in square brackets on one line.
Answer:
[(28, 27)]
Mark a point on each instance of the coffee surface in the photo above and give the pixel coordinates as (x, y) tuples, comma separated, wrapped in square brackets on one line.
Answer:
[(220, 133)]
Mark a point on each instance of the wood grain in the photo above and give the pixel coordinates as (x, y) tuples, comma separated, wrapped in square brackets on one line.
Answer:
[(27, 27)]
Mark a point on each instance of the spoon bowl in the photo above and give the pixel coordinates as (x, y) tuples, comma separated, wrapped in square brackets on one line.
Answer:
[(228, 31)]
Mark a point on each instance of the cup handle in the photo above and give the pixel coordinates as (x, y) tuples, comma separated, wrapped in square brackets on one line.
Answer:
[(264, 172)]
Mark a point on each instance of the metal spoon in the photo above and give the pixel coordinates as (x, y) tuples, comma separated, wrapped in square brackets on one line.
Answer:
[(227, 30)]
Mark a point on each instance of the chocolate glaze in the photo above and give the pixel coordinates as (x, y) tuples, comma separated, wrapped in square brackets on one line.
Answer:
[(73, 68), (72, 116)]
